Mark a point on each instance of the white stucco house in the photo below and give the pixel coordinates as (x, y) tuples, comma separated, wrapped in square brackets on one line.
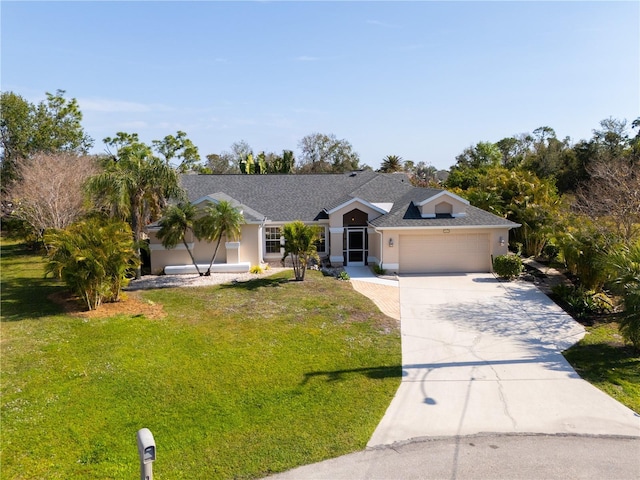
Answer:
[(366, 218)]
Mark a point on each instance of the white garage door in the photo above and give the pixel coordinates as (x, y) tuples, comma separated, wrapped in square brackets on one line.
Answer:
[(446, 253)]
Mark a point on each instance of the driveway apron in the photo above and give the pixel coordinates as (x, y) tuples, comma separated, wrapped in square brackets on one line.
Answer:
[(480, 355)]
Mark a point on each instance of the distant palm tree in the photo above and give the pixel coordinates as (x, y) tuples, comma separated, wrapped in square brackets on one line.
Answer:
[(391, 164), (174, 225), (219, 220)]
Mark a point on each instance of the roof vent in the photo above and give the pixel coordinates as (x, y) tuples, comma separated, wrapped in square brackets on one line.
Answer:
[(353, 174)]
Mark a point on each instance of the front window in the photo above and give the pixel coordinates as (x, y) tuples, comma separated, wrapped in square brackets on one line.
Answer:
[(272, 237), (321, 243)]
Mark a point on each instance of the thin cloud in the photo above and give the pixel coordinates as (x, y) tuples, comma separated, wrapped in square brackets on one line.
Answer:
[(110, 106), (382, 24)]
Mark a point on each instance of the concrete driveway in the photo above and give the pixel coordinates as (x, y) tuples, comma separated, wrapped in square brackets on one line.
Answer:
[(481, 355)]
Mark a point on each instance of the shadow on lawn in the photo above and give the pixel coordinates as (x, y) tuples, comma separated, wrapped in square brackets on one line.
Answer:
[(257, 283), (27, 298), (24, 298), (605, 362), (376, 373)]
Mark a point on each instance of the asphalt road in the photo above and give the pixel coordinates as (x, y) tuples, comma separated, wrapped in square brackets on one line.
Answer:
[(489, 456)]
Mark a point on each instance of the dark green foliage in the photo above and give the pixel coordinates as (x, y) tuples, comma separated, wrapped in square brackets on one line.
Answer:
[(583, 303), (626, 262), (507, 266), (51, 126), (391, 164), (378, 270), (551, 251)]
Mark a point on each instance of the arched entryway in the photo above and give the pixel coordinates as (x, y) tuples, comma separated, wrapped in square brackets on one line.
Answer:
[(355, 239)]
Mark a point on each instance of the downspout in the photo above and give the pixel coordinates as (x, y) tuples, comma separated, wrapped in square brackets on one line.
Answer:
[(260, 242), (381, 249)]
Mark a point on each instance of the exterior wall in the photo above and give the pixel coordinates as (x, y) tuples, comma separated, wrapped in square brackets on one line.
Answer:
[(250, 242), (160, 257), (202, 251), (433, 207), (375, 239), (336, 256)]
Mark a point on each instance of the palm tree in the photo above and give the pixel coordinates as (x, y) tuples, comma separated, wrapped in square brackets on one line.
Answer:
[(174, 225), (300, 242), (391, 164), (135, 186), (219, 220)]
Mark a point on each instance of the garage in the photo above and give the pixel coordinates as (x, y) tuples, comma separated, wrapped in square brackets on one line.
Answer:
[(445, 253)]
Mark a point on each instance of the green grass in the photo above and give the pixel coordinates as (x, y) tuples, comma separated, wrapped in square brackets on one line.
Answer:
[(603, 359), (237, 381)]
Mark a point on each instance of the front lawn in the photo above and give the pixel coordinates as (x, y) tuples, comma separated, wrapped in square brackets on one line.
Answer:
[(236, 381), (603, 359)]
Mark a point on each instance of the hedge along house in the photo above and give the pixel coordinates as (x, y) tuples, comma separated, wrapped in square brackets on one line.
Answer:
[(365, 217)]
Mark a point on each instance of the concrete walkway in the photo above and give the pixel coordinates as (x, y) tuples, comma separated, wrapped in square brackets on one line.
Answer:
[(382, 291)]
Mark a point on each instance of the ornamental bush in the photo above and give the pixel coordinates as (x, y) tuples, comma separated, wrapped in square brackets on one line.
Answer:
[(507, 266), (94, 257)]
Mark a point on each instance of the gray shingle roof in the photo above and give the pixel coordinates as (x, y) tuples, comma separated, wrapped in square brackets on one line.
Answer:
[(284, 198)]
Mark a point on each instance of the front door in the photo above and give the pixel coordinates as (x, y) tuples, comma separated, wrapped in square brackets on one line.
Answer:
[(356, 246)]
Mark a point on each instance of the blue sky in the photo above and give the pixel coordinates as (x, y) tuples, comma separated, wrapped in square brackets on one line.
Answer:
[(422, 79)]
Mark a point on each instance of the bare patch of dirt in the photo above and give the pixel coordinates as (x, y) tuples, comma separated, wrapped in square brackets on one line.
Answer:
[(130, 304)]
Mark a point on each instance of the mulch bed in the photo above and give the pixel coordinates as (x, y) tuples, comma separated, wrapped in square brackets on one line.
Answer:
[(130, 304)]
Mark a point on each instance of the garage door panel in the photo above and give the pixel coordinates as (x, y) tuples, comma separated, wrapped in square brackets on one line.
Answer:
[(445, 253)]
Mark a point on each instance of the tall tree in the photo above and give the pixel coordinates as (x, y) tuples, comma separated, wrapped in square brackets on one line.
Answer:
[(391, 164), (177, 221), (52, 125), (612, 195), (219, 220), (49, 190), (222, 163), (326, 154), (482, 154), (180, 148), (300, 243), (134, 185)]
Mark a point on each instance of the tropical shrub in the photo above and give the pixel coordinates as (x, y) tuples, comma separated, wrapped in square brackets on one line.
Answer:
[(507, 266), (584, 250), (343, 275), (300, 243), (518, 195), (551, 251), (626, 261), (378, 270), (583, 303), (93, 257), (257, 269)]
